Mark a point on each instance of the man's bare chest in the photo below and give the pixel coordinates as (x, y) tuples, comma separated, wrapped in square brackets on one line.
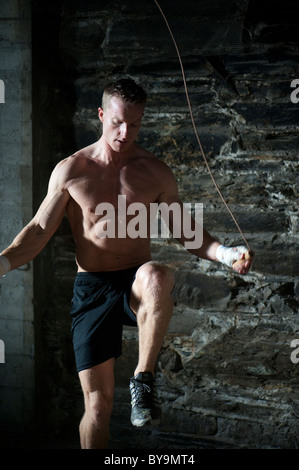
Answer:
[(100, 186)]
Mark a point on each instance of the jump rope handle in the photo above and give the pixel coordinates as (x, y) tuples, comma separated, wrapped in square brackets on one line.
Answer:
[(248, 255)]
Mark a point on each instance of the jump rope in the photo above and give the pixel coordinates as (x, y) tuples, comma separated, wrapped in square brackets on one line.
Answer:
[(249, 253)]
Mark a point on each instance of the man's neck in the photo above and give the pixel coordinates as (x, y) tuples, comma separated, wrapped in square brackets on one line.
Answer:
[(110, 156)]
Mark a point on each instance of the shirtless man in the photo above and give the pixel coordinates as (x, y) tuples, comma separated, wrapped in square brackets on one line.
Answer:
[(117, 282)]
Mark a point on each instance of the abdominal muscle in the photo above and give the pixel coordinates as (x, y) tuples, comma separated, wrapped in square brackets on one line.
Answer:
[(109, 255), (95, 253)]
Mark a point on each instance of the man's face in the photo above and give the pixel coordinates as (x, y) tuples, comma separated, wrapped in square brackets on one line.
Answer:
[(121, 123)]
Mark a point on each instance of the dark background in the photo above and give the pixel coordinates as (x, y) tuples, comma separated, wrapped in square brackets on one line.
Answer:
[(224, 373)]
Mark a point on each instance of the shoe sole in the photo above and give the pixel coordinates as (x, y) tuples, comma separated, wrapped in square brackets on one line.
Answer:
[(139, 423)]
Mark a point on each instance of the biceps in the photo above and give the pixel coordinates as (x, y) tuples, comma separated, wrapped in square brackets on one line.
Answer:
[(52, 210)]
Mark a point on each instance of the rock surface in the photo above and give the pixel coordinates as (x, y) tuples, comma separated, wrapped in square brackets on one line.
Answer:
[(225, 373)]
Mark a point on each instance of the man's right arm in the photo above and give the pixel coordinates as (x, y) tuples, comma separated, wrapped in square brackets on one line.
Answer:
[(36, 234)]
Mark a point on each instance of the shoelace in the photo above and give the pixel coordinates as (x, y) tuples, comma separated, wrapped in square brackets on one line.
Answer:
[(143, 395)]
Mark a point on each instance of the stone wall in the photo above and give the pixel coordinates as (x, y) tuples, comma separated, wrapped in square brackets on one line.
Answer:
[(16, 289), (225, 372)]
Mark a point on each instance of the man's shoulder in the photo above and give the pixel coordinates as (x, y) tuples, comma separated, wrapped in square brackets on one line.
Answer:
[(141, 152), (160, 173), (68, 169), (148, 158), (73, 163)]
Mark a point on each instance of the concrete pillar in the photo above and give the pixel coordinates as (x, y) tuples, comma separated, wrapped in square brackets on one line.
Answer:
[(16, 289)]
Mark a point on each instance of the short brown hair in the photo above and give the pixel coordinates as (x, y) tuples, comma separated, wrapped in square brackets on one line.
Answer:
[(126, 89)]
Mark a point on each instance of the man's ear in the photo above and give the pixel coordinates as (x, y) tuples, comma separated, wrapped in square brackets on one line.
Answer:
[(101, 114)]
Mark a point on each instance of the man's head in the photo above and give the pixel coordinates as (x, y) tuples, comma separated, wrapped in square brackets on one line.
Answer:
[(121, 113), (125, 89)]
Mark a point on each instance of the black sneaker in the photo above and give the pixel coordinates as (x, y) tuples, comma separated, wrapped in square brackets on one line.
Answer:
[(144, 400)]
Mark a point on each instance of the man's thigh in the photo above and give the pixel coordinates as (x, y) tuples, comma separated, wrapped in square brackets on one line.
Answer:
[(98, 381)]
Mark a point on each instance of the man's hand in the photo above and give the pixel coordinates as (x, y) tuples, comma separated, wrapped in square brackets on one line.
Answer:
[(237, 257), (4, 265)]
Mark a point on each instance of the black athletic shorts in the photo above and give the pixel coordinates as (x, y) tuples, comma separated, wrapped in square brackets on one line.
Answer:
[(100, 308)]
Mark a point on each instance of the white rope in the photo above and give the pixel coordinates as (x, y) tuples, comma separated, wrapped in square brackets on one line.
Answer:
[(195, 130)]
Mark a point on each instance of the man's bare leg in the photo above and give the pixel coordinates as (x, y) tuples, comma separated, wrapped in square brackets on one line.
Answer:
[(152, 303), (98, 389)]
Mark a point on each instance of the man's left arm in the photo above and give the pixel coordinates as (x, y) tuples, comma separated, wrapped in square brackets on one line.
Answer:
[(199, 241), (209, 247)]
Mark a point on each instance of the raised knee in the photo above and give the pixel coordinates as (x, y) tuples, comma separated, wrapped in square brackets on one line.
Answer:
[(156, 277)]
